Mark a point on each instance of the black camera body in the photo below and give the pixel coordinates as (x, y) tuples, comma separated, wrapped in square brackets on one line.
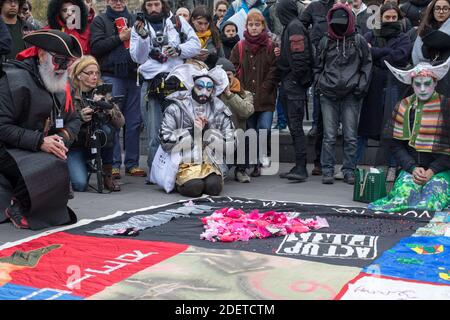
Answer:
[(160, 39), (140, 17)]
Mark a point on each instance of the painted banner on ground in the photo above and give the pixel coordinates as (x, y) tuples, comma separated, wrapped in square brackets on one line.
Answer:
[(356, 236), (424, 259), (158, 254), (367, 287)]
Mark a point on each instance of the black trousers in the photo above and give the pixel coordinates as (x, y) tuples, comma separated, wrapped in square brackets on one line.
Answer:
[(9, 169), (294, 109), (319, 138), (211, 185)]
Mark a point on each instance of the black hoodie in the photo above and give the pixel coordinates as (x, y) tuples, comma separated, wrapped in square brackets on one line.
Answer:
[(295, 62), (315, 16), (414, 9)]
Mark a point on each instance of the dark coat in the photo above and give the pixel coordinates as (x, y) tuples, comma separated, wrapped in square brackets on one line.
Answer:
[(25, 105), (258, 75), (5, 39), (315, 15), (295, 63), (414, 9), (104, 39), (384, 90)]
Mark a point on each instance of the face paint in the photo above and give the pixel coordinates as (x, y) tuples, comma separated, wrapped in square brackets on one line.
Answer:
[(423, 87), (203, 88)]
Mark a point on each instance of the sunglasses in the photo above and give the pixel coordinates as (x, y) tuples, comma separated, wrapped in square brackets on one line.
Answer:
[(61, 62), (91, 73)]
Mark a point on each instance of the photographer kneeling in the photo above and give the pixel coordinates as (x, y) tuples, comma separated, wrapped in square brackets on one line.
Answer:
[(85, 77)]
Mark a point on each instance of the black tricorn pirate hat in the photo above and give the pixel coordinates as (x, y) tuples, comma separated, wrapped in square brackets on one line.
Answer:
[(55, 41)]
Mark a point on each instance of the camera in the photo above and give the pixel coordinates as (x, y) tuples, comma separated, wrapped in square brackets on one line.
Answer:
[(103, 89), (160, 39), (140, 17)]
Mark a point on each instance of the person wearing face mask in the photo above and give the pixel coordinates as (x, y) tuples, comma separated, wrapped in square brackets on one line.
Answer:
[(38, 124), (390, 44), (342, 79), (229, 36), (196, 122), (85, 78), (433, 39), (419, 136), (71, 17)]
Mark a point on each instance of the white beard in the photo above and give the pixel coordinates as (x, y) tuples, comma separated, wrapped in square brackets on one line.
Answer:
[(53, 82)]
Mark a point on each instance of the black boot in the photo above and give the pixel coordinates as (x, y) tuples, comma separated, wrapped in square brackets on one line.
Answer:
[(298, 173)]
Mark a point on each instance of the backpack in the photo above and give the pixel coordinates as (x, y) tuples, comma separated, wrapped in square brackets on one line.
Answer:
[(240, 46)]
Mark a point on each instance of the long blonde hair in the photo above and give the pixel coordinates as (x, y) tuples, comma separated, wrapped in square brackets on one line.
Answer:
[(79, 66)]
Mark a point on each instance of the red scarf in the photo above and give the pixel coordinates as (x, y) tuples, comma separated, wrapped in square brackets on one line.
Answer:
[(32, 52), (254, 43)]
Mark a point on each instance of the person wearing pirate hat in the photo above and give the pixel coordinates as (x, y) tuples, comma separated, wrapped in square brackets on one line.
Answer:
[(37, 126)]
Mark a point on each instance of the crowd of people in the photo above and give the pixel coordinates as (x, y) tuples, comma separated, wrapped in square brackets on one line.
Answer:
[(375, 70)]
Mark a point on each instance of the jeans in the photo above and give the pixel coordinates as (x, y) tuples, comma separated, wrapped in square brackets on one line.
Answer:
[(152, 115), (130, 109), (294, 107), (316, 108), (261, 120), (281, 118), (347, 109), (77, 159)]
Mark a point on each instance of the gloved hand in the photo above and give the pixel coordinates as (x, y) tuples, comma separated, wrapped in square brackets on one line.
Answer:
[(172, 51)]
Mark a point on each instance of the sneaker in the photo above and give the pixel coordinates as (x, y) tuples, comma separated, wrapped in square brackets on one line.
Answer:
[(327, 180), (391, 174), (116, 173), (349, 178), (15, 213), (241, 176), (317, 170), (298, 173), (256, 171), (265, 161), (339, 175), (135, 172)]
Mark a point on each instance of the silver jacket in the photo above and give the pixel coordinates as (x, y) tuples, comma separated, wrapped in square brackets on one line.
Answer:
[(177, 129)]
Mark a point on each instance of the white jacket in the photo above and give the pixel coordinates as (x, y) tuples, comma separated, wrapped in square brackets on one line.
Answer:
[(140, 48)]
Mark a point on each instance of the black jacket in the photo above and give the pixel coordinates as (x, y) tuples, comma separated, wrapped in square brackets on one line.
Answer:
[(104, 39), (295, 62), (5, 39), (25, 105), (315, 15), (414, 9)]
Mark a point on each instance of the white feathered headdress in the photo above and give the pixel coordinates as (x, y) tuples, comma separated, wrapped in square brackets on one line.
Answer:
[(187, 72), (422, 69)]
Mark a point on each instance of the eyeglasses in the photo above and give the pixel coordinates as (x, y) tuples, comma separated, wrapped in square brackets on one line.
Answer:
[(61, 62), (442, 9), (91, 73)]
